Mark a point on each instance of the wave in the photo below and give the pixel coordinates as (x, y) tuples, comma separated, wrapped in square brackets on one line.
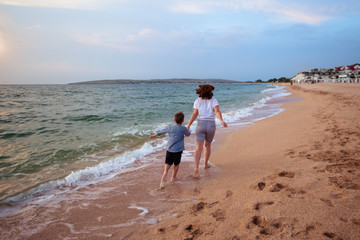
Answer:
[(136, 131), (90, 174), (15, 135), (271, 93), (88, 118)]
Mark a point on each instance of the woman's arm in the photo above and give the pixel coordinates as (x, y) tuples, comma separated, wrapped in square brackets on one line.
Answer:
[(219, 115), (192, 118)]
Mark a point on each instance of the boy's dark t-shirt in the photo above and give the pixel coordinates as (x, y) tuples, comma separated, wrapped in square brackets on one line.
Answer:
[(176, 137)]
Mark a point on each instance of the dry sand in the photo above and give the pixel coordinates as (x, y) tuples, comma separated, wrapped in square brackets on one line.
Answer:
[(292, 176)]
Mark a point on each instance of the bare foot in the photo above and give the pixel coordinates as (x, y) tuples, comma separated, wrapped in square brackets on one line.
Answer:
[(196, 175), (174, 179), (206, 166), (162, 185)]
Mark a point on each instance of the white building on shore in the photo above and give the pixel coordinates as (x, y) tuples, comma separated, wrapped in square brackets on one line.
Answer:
[(341, 74)]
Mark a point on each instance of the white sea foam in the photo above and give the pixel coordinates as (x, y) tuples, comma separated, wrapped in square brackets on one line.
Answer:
[(144, 210), (276, 92), (272, 88), (90, 174), (236, 115), (111, 165)]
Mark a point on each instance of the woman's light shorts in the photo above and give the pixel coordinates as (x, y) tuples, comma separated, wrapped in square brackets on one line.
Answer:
[(205, 130)]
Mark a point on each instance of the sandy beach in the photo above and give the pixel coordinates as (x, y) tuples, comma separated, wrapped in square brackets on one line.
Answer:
[(292, 176)]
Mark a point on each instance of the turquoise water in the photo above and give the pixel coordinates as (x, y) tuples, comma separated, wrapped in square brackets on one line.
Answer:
[(66, 134)]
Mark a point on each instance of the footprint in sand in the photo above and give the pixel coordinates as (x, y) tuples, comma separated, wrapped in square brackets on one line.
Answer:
[(189, 227), (194, 233), (261, 185), (160, 230), (277, 187), (286, 174), (344, 182), (213, 204), (327, 202), (356, 221), (258, 206), (304, 233), (291, 153), (196, 191), (267, 227), (229, 193), (198, 207), (219, 215), (332, 235)]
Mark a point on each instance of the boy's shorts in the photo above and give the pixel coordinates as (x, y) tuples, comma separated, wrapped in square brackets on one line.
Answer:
[(205, 130), (173, 158)]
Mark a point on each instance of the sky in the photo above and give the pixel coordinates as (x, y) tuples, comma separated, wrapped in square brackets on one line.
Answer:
[(64, 41)]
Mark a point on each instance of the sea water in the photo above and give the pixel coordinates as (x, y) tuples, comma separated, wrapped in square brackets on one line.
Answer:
[(55, 136)]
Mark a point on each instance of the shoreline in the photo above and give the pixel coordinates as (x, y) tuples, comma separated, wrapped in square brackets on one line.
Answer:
[(301, 180), (97, 165)]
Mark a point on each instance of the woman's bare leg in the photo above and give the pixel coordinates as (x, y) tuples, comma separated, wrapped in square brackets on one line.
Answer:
[(197, 156), (207, 153)]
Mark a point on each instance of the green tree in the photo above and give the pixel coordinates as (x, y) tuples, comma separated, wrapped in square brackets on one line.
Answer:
[(273, 80)]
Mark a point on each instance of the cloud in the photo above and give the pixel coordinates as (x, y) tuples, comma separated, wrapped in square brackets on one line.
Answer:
[(67, 4), (300, 16), (287, 12), (146, 39), (299, 13), (34, 27), (103, 40), (193, 8), (146, 33)]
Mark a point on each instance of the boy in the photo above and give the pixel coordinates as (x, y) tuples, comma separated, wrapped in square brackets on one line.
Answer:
[(175, 146)]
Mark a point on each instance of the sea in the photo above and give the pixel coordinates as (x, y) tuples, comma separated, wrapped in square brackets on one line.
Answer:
[(65, 136)]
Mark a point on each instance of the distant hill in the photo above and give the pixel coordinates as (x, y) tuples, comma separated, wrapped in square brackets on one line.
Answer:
[(172, 80)]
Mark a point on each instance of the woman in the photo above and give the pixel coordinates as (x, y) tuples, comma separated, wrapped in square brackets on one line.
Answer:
[(205, 108)]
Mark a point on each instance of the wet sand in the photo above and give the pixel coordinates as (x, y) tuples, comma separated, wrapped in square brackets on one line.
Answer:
[(292, 176)]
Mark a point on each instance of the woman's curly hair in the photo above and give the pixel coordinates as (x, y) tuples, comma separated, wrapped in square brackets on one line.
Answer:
[(205, 91)]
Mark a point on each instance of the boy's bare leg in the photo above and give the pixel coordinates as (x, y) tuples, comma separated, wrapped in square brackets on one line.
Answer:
[(197, 156), (163, 178), (207, 152), (174, 173)]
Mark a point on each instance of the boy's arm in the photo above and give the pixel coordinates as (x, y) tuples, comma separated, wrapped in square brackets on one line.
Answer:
[(187, 132), (158, 133)]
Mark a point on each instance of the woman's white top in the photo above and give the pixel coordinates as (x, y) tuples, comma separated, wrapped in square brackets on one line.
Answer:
[(206, 108)]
